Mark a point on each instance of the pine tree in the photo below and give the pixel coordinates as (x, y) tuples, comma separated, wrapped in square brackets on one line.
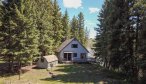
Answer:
[(66, 26), (13, 27), (74, 27), (2, 15), (57, 25), (81, 29), (44, 25), (140, 41), (103, 35), (19, 35), (120, 38), (77, 29), (32, 33)]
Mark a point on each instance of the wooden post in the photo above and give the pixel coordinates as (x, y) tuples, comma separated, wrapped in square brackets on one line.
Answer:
[(51, 65)]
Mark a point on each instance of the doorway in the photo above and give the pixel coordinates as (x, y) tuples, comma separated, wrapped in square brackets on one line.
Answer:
[(67, 56)]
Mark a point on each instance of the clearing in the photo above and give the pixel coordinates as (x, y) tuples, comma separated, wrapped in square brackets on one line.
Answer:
[(65, 73)]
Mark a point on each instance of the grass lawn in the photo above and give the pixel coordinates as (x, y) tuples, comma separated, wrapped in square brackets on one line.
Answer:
[(65, 73)]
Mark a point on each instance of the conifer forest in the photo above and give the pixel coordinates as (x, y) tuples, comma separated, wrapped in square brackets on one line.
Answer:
[(30, 29)]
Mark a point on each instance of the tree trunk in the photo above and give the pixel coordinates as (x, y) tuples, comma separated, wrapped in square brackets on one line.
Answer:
[(105, 63), (140, 76), (11, 65), (19, 68), (31, 62), (9, 61)]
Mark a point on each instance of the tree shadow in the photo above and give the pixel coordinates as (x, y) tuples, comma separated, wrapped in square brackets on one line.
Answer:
[(80, 73), (5, 72)]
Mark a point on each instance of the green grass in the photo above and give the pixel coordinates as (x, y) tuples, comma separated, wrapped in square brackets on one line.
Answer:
[(70, 74)]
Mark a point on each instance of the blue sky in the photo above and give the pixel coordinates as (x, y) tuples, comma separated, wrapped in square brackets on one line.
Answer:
[(90, 9)]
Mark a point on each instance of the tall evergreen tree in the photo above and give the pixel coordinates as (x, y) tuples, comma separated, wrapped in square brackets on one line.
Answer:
[(103, 37), (2, 15), (19, 41), (57, 25), (81, 29), (32, 33), (74, 27), (119, 37), (66, 26), (13, 33), (138, 12), (44, 25)]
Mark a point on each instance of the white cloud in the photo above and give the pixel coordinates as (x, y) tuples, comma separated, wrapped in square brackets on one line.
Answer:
[(72, 3), (94, 10)]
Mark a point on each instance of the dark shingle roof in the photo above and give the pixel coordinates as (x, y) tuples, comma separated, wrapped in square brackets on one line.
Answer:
[(64, 44)]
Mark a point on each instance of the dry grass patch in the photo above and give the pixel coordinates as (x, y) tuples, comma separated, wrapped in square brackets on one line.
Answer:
[(64, 73)]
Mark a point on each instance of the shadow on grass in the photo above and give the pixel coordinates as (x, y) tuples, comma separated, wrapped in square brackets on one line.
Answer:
[(5, 72), (81, 73)]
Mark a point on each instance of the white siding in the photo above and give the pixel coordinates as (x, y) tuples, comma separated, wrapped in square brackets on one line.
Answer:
[(69, 48), (46, 64)]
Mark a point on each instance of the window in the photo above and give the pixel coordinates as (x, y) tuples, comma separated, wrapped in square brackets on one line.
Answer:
[(74, 45), (75, 54), (65, 56)]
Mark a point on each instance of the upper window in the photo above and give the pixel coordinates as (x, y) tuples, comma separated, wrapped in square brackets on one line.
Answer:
[(74, 46)]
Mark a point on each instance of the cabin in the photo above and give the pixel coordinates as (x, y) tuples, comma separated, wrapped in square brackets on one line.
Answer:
[(72, 51), (47, 62)]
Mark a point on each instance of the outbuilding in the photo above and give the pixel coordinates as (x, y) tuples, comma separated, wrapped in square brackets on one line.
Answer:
[(47, 61)]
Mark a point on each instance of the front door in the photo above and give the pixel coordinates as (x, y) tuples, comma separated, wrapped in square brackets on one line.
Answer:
[(67, 56)]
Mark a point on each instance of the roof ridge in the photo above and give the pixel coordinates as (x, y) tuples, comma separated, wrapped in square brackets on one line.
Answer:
[(64, 44)]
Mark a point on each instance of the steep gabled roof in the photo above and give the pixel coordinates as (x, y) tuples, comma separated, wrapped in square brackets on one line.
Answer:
[(65, 43)]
